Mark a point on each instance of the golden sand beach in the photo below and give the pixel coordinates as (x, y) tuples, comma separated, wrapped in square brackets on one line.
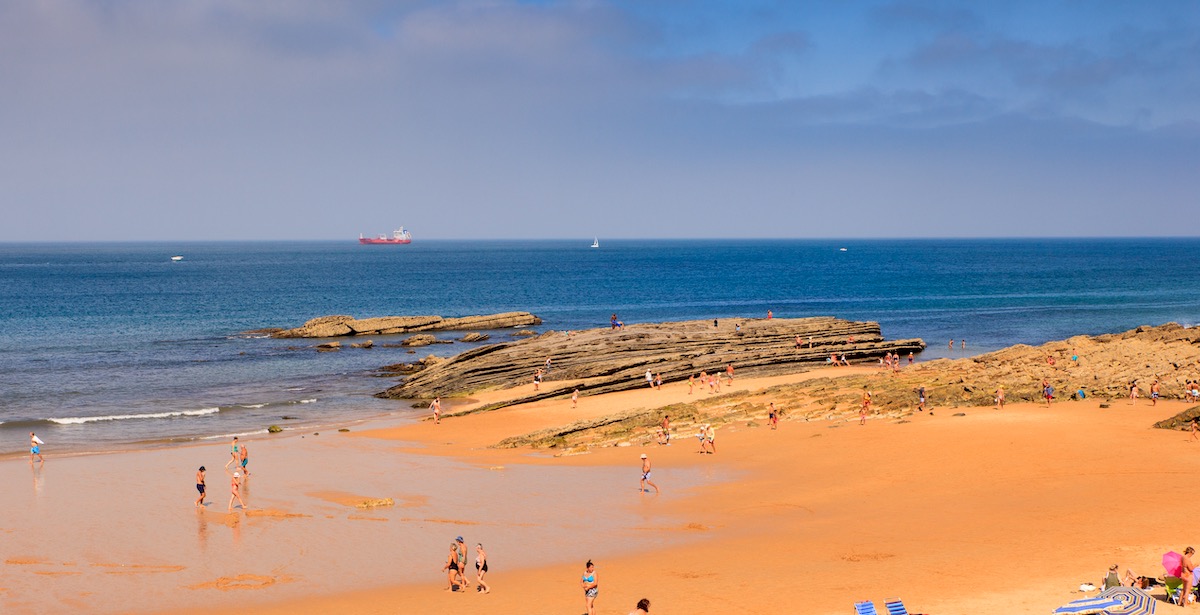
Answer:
[(988, 512)]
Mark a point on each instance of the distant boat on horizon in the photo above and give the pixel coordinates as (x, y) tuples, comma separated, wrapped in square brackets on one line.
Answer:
[(176, 258), (596, 242), (399, 236)]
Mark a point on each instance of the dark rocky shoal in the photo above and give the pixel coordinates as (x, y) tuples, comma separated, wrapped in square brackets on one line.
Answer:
[(605, 360)]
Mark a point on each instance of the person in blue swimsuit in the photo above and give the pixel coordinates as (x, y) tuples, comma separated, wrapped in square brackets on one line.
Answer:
[(591, 587), (235, 455), (35, 448)]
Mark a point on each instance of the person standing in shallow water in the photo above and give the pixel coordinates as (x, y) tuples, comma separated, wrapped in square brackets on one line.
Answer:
[(646, 475), (591, 587)]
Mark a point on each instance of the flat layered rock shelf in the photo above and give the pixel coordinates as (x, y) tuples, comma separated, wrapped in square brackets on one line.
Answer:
[(340, 326), (606, 360)]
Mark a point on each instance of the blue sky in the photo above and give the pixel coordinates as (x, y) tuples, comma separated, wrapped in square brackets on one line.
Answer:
[(309, 119)]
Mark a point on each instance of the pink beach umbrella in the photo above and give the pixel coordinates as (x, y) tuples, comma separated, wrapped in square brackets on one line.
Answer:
[(1173, 563)]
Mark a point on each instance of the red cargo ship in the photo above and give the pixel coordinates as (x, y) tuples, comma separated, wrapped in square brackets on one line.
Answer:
[(399, 236)]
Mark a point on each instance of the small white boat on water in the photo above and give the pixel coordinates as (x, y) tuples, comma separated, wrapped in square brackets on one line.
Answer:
[(177, 258), (596, 242)]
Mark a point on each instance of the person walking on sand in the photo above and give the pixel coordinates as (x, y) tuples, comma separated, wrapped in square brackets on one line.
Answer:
[(1000, 398), (710, 434), (460, 547), (646, 475), (1133, 393), (702, 436), (537, 379), (200, 485), (35, 448), (1195, 430), (1154, 393), (649, 379), (920, 399), (436, 407), (235, 492), (481, 569), (235, 454), (910, 359), (1047, 391), (866, 407), (691, 383), (729, 372), (658, 382), (575, 399), (665, 428), (451, 567), (773, 416), (643, 607), (591, 587), (245, 459)]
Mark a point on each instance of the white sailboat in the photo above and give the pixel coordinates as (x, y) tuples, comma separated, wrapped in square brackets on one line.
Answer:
[(596, 242)]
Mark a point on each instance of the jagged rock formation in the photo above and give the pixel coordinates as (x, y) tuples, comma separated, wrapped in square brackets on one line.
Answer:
[(1106, 366), (604, 360), (339, 326)]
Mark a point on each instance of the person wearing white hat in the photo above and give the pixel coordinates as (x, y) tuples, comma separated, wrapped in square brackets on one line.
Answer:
[(646, 475), (235, 491)]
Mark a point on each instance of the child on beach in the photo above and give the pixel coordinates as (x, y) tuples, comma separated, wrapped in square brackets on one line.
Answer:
[(575, 399), (773, 417)]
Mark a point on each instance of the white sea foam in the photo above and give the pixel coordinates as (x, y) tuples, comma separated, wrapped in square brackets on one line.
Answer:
[(79, 420), (232, 435), (307, 401), (251, 405)]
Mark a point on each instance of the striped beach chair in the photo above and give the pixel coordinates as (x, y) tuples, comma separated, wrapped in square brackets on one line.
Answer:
[(895, 606), (866, 607)]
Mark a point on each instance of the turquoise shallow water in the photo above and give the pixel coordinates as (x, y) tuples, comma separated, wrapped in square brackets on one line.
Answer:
[(110, 344)]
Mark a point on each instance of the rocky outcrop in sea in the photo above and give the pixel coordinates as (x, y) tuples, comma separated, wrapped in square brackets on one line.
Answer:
[(605, 360), (340, 326)]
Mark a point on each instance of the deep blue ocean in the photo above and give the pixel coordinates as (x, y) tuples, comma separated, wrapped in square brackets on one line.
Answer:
[(109, 345)]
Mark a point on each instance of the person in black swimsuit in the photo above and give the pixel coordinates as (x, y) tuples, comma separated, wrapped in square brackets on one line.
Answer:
[(481, 568), (451, 567)]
